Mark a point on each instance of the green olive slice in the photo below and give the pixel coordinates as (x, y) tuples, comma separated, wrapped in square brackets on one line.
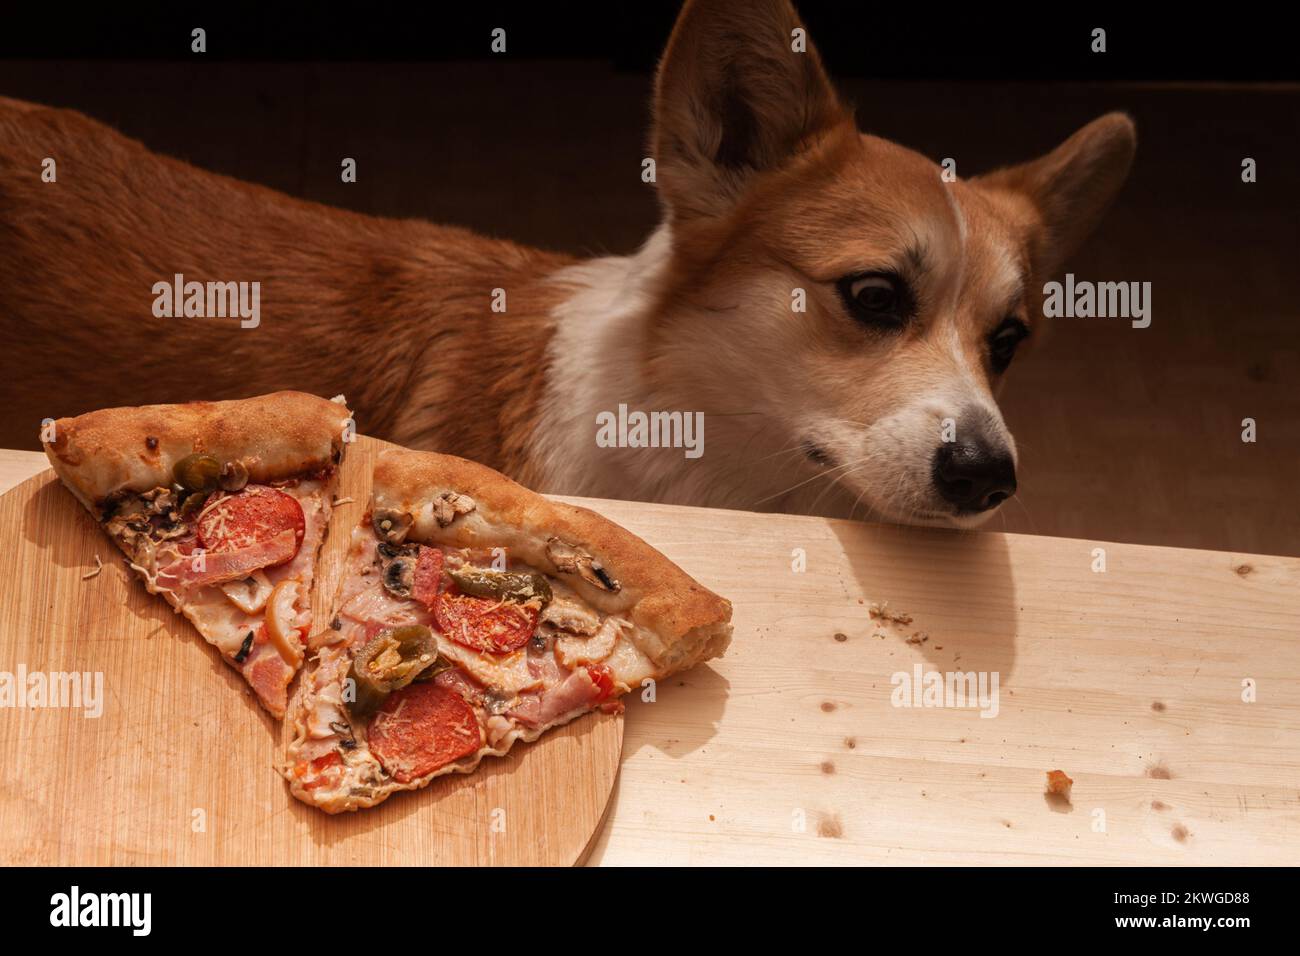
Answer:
[(197, 472), (392, 659), (515, 586)]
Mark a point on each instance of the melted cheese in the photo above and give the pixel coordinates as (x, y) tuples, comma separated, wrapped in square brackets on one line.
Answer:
[(506, 673), (629, 665)]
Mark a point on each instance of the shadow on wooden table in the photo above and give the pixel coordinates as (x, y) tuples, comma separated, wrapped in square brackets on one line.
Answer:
[(691, 703), (67, 536), (957, 586), (56, 523)]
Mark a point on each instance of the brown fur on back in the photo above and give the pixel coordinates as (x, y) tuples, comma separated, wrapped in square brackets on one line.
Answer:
[(394, 313)]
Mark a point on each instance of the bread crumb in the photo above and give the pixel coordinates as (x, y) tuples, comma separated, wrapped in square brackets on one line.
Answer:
[(918, 638), (1058, 784), (881, 612)]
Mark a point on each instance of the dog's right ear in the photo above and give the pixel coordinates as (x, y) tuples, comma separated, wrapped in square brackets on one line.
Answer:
[(739, 92)]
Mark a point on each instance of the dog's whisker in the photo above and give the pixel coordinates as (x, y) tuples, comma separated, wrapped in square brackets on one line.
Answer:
[(795, 449), (823, 474), (1033, 527)]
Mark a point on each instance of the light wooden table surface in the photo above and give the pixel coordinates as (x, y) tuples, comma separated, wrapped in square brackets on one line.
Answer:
[(1167, 686)]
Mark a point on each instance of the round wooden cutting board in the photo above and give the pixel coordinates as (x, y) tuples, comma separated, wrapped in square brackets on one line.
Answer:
[(179, 766)]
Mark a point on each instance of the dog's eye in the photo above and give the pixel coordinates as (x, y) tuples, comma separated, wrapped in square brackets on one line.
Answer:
[(1004, 341), (877, 298)]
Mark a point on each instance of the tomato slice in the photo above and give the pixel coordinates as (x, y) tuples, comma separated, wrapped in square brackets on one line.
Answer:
[(603, 678), (485, 624), (316, 771), (422, 728), (249, 517), (428, 574)]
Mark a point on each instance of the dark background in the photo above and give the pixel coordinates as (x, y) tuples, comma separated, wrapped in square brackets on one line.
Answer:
[(906, 41), (1125, 434)]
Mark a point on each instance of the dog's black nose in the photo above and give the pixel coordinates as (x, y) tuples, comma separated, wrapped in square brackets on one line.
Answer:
[(974, 475)]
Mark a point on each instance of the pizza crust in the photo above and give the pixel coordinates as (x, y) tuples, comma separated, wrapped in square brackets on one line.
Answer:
[(678, 622), (278, 436)]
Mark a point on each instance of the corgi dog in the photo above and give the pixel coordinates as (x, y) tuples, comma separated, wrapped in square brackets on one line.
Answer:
[(822, 317)]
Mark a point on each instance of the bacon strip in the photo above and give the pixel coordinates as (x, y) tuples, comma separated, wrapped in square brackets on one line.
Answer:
[(269, 676), (222, 566), (578, 690)]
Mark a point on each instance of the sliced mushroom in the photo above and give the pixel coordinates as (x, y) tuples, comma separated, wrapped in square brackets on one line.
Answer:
[(399, 576), (385, 550), (249, 595), (570, 559), (140, 524), (392, 525), (234, 475), (160, 500), (568, 615), (575, 651), (449, 505)]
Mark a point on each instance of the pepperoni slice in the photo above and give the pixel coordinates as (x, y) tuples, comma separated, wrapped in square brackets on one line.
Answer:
[(428, 573), (422, 728), (485, 624), (250, 517)]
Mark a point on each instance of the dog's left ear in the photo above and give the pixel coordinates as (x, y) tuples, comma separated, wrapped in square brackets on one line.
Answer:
[(739, 92), (1071, 187)]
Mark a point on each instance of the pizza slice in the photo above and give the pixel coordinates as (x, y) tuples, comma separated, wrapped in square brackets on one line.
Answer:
[(473, 613), (220, 507)]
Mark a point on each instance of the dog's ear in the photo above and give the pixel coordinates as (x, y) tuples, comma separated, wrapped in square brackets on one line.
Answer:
[(739, 91), (1072, 186)]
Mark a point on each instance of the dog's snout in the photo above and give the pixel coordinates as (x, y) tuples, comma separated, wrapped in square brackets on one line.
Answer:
[(974, 475)]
